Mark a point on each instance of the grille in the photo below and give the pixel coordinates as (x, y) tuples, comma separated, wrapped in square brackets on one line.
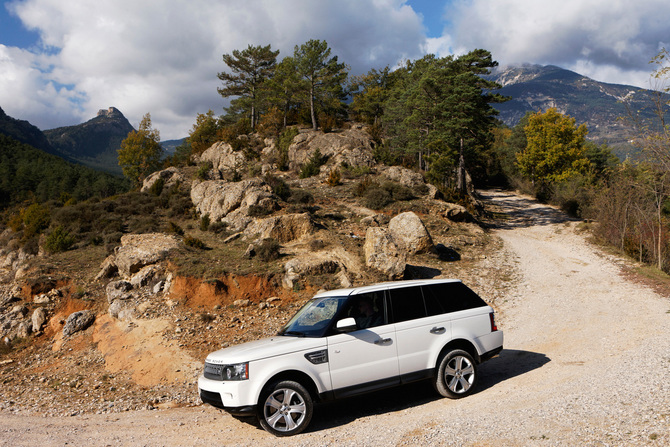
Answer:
[(213, 372), (210, 398)]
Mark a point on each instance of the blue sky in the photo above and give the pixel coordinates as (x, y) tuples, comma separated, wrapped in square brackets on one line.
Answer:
[(62, 61)]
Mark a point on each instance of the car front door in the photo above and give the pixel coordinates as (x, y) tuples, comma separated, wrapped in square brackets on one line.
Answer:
[(367, 358)]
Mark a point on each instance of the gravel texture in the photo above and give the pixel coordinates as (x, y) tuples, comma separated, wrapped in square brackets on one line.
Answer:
[(586, 362)]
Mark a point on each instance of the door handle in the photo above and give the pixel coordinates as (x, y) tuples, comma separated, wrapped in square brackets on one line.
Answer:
[(438, 330), (383, 341)]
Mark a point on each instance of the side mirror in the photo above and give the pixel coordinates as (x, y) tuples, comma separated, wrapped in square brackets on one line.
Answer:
[(346, 325)]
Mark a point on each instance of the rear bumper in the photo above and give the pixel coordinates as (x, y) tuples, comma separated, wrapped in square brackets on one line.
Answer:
[(489, 355)]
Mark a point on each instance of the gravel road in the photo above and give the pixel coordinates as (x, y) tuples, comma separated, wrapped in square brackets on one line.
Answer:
[(586, 362)]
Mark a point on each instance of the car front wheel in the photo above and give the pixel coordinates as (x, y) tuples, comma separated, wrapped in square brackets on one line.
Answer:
[(456, 374), (285, 408)]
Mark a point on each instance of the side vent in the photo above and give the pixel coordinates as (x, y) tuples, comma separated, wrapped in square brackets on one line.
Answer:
[(317, 357)]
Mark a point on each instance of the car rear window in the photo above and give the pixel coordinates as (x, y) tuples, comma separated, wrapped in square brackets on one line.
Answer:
[(450, 297)]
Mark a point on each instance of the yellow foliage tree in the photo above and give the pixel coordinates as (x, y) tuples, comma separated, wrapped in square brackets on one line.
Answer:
[(140, 152), (555, 148)]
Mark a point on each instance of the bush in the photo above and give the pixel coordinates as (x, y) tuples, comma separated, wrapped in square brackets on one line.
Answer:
[(334, 177), (313, 165), (258, 211), (279, 186), (59, 240), (176, 229), (194, 242), (377, 198), (204, 222), (283, 143), (157, 188), (301, 196), (218, 227), (268, 250)]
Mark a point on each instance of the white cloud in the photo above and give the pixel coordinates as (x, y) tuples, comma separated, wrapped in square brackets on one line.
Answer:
[(605, 37), (162, 56)]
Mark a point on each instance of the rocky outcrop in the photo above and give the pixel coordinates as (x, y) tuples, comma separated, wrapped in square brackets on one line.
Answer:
[(137, 251), (170, 176), (283, 229), (382, 253), (352, 147), (218, 198), (410, 233), (412, 179), (223, 159), (38, 318), (78, 321)]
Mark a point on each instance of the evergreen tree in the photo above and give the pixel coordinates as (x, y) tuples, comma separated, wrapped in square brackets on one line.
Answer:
[(324, 77), (250, 69)]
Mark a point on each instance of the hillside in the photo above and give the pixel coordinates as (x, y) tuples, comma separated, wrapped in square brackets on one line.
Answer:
[(94, 143), (536, 88), (24, 132)]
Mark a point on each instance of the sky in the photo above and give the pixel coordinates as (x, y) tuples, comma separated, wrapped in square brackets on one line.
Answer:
[(62, 61)]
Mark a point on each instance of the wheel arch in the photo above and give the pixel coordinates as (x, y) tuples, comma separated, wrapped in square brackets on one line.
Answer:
[(459, 343), (297, 376)]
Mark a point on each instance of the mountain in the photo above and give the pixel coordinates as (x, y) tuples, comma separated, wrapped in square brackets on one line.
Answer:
[(24, 132), (599, 105), (94, 143)]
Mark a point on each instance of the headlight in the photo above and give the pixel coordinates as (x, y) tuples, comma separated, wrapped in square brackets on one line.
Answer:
[(239, 371)]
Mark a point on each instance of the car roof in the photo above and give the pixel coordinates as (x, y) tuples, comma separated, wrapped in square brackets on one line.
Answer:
[(383, 286)]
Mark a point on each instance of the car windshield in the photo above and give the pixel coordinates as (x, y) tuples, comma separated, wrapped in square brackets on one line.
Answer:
[(314, 318)]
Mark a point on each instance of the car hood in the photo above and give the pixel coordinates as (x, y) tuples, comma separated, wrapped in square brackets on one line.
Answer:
[(264, 348)]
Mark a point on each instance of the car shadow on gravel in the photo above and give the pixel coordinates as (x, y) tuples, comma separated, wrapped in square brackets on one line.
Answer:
[(509, 364)]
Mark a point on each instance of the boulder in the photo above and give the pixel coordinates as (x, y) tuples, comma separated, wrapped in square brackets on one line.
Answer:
[(118, 290), (303, 266), (78, 321), (353, 147), (377, 220), (144, 276), (38, 318), (223, 158), (409, 231), (138, 250), (411, 179), (383, 254), (283, 229), (218, 198), (170, 176), (123, 309)]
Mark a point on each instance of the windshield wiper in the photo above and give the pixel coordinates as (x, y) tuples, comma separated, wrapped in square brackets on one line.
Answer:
[(296, 333)]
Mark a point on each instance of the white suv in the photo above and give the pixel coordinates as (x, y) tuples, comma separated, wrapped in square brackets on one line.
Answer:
[(350, 341)]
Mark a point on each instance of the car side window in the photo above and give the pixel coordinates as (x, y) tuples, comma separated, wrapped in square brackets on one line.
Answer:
[(450, 297), (407, 304), (368, 309)]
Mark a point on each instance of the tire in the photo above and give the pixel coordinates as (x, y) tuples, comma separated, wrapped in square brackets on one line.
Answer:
[(285, 408), (456, 374)]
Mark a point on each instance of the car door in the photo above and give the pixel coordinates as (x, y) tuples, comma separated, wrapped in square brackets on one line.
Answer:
[(420, 331), (364, 359)]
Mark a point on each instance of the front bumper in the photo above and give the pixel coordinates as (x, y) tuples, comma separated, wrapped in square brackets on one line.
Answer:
[(234, 397)]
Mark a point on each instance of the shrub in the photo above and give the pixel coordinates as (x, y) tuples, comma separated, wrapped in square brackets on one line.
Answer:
[(279, 186), (268, 250), (334, 177), (313, 165), (283, 143), (204, 222), (157, 188), (58, 240), (377, 198), (258, 211), (203, 171), (218, 227), (301, 196), (176, 229), (194, 242)]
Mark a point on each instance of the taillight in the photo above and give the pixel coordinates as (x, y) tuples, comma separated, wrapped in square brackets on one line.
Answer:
[(493, 322)]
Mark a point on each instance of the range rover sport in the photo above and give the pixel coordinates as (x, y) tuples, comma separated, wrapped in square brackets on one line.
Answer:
[(350, 341)]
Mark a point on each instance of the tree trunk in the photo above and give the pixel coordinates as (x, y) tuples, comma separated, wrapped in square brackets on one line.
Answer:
[(315, 125), (460, 174)]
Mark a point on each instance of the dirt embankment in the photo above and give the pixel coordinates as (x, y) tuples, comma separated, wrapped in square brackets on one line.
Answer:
[(586, 362)]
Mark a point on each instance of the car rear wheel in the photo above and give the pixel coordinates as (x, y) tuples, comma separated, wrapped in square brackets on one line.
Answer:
[(285, 408), (456, 374)]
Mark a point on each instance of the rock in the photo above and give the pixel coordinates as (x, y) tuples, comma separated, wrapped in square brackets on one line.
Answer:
[(138, 250), (78, 321), (118, 290), (382, 253), (38, 318), (23, 329), (42, 298), (284, 228), (241, 303), (144, 276), (352, 147), (409, 231), (170, 176), (19, 309), (456, 213), (158, 287), (223, 158), (108, 268), (218, 198), (123, 309), (411, 179), (377, 220), (250, 252)]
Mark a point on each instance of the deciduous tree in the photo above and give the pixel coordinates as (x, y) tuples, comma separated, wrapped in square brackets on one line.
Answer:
[(140, 152)]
